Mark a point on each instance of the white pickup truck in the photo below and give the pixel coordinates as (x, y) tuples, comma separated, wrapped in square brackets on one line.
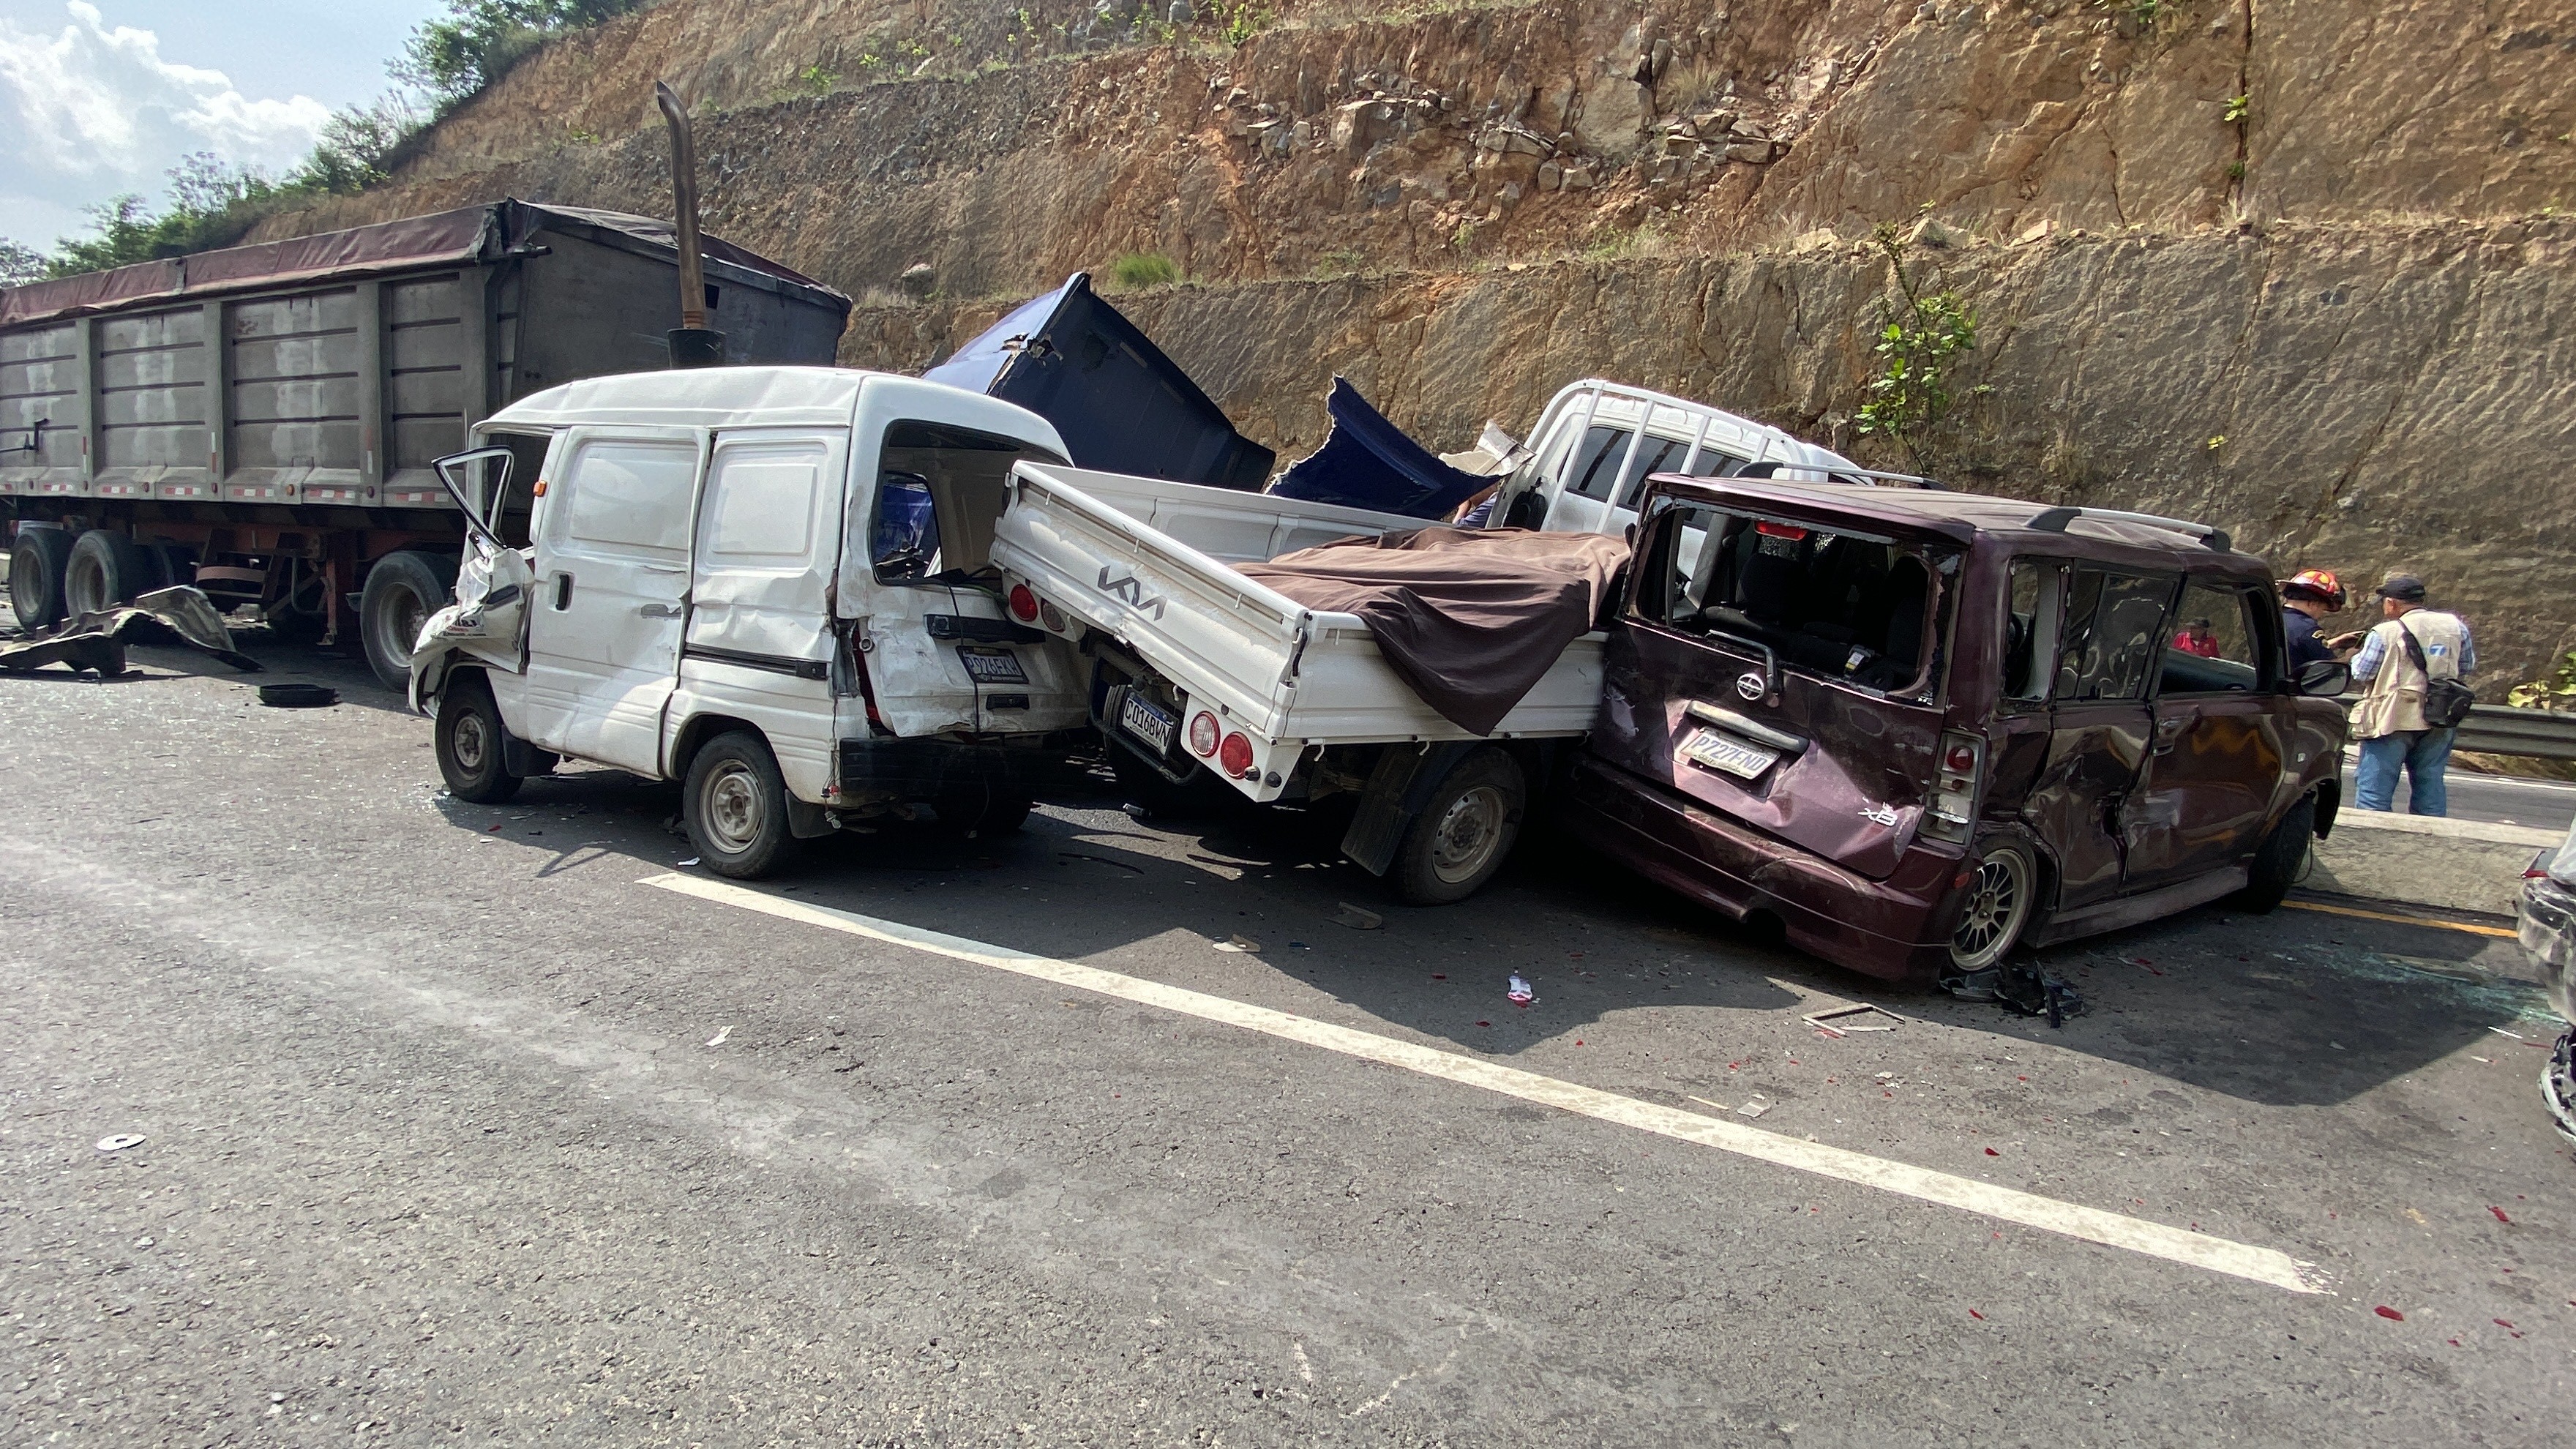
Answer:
[(1199, 670), (1597, 442)]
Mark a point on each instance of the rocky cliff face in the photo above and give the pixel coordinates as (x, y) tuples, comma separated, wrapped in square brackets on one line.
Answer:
[(2295, 266)]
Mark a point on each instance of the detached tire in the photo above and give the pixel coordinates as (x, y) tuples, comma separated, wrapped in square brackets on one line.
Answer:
[(403, 589), (735, 802), (468, 738), (107, 569), (36, 566), (1464, 832), (2275, 867)]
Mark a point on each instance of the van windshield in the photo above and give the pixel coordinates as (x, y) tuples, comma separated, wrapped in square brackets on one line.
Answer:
[(1846, 605)]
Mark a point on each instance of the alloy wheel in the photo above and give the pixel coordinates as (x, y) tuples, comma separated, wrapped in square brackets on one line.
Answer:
[(1999, 901)]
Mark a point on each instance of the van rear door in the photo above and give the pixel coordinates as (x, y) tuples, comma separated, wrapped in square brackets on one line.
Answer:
[(917, 579), (1785, 674), (612, 578)]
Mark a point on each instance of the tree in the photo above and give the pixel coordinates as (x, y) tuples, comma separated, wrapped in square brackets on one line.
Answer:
[(1919, 337)]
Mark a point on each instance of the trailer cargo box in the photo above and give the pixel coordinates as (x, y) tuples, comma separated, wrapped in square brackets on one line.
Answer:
[(260, 421)]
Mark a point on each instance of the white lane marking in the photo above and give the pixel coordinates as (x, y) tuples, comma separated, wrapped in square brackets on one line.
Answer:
[(2156, 1240)]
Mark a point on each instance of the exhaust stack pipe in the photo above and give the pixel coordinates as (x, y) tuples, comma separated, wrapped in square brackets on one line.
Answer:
[(692, 343)]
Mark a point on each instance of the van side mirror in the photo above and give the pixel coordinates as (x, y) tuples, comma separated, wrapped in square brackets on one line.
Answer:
[(2325, 677)]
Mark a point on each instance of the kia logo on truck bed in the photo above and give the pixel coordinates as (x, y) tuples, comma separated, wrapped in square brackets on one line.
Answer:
[(1133, 592)]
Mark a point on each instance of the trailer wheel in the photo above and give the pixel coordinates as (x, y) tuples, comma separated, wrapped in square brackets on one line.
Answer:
[(36, 566), (105, 570), (403, 590), (735, 803), (1463, 833), (469, 737)]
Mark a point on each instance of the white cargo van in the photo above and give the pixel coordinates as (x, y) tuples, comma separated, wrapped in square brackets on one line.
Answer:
[(1597, 443), (770, 583)]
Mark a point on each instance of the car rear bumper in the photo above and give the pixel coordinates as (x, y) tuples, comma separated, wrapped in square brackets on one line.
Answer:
[(1892, 929)]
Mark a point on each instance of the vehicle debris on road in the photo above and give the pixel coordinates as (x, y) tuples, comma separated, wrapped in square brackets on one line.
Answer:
[(1346, 914), (1824, 1020), (1519, 993), (94, 641), (118, 1142)]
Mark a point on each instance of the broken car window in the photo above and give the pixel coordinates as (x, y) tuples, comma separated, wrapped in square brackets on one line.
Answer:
[(2030, 629), (1845, 605), (2213, 649), (939, 491), (2114, 631)]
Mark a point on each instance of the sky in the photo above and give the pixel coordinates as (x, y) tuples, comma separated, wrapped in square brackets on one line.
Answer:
[(101, 97)]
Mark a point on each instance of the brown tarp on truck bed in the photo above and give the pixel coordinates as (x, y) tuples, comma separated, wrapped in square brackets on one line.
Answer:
[(1471, 618), (468, 234)]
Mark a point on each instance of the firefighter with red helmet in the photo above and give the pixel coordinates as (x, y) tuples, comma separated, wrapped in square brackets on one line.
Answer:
[(2306, 599)]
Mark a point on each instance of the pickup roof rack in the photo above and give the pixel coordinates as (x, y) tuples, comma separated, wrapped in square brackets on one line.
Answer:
[(1834, 473), (2054, 520)]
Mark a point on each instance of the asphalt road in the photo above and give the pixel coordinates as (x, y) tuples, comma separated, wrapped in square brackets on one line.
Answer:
[(455, 1130), (2505, 799)]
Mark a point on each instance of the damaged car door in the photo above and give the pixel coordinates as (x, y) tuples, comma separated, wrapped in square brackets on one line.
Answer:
[(2223, 719), (1785, 674), (2099, 723), (488, 619)]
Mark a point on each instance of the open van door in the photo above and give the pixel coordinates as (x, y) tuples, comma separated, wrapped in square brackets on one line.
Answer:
[(612, 579), (488, 620), (941, 656)]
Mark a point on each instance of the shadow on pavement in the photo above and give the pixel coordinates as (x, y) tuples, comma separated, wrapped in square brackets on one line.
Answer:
[(2291, 1008)]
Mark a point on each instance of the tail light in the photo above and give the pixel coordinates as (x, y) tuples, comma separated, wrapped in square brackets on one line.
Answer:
[(1203, 734), (1024, 603), (1789, 531), (1957, 779), (1235, 756)]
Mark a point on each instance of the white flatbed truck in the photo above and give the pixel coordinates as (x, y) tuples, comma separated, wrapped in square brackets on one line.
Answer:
[(1197, 670)]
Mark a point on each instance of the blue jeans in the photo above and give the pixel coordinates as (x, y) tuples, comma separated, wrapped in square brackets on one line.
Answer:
[(2424, 754)]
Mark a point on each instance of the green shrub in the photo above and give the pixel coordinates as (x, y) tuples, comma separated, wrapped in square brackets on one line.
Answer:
[(1145, 269), (479, 40)]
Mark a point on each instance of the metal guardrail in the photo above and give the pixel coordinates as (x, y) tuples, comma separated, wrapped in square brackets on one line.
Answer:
[(2497, 729)]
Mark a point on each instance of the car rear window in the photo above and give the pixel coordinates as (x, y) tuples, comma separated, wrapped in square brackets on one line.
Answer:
[(1848, 605)]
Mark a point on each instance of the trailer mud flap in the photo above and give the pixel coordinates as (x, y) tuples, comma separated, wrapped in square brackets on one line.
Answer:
[(1397, 790)]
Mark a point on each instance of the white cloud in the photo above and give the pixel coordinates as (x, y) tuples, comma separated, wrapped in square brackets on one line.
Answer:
[(100, 111)]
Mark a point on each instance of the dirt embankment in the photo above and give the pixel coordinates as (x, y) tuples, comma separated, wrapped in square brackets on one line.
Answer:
[(2295, 266)]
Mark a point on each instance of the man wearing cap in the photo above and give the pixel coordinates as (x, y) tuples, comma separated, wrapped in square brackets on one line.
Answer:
[(2305, 601), (2389, 719)]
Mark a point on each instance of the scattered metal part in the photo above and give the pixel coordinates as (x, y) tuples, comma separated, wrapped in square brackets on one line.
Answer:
[(1818, 1019), (95, 641), (2019, 987), (120, 1141)]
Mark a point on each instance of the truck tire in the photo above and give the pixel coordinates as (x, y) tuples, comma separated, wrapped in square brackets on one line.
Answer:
[(36, 566), (735, 803), (107, 569), (403, 590), (2276, 865), (1464, 832), (469, 740)]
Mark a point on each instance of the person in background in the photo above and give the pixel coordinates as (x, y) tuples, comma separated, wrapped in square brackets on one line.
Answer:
[(2389, 719), (2196, 638), (2305, 602)]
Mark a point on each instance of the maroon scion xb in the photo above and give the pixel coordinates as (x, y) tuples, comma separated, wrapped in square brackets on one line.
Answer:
[(1918, 728)]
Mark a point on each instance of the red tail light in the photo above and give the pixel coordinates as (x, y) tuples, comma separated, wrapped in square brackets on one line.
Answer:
[(1024, 603), (1960, 759), (1203, 735), (1235, 756), (1768, 529)]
